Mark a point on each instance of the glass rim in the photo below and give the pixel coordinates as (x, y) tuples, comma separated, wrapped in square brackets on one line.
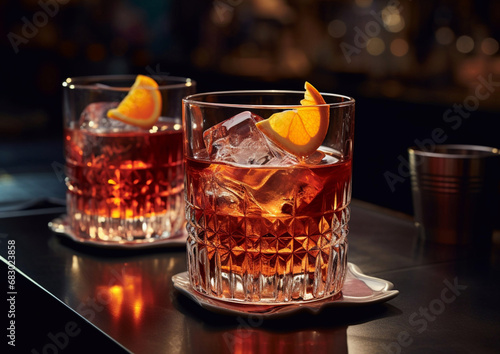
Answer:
[(92, 81), (468, 151), (192, 99)]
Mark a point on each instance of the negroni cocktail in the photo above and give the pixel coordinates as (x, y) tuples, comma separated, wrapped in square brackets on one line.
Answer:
[(118, 182), (267, 223), (123, 143)]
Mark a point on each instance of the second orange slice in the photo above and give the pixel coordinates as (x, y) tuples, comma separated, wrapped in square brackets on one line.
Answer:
[(142, 105)]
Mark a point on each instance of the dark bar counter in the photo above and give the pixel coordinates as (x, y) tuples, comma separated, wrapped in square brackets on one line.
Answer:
[(78, 298)]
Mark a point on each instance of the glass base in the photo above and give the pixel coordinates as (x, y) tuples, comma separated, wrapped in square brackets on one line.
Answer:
[(139, 229), (359, 290), (320, 281)]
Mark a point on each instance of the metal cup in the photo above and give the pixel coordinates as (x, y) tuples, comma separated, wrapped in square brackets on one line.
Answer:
[(455, 192)]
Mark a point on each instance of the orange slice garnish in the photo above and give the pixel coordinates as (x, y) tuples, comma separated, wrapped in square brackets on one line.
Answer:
[(142, 105), (300, 131)]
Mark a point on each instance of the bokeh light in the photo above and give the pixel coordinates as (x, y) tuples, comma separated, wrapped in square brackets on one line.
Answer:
[(489, 46), (399, 47), (444, 35), (392, 18), (375, 46), (465, 44), (337, 28), (364, 3)]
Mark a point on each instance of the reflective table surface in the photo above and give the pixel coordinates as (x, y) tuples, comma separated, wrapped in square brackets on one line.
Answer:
[(76, 298)]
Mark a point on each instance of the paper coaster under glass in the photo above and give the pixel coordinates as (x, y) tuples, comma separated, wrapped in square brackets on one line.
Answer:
[(61, 226), (359, 289)]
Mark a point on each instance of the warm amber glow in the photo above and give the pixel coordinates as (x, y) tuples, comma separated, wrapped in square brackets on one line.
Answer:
[(399, 47), (138, 308), (124, 299), (375, 46), (392, 18), (113, 296), (75, 267)]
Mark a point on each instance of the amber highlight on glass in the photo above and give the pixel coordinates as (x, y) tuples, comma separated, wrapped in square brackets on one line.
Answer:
[(265, 226), (124, 183)]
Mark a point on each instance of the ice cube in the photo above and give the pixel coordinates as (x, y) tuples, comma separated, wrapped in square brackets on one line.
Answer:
[(280, 191), (238, 140), (281, 157), (93, 118), (223, 191)]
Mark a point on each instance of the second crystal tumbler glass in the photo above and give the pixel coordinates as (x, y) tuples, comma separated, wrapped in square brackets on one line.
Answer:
[(124, 159)]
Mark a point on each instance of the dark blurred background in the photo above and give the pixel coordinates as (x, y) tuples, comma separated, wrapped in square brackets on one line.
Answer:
[(422, 72)]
